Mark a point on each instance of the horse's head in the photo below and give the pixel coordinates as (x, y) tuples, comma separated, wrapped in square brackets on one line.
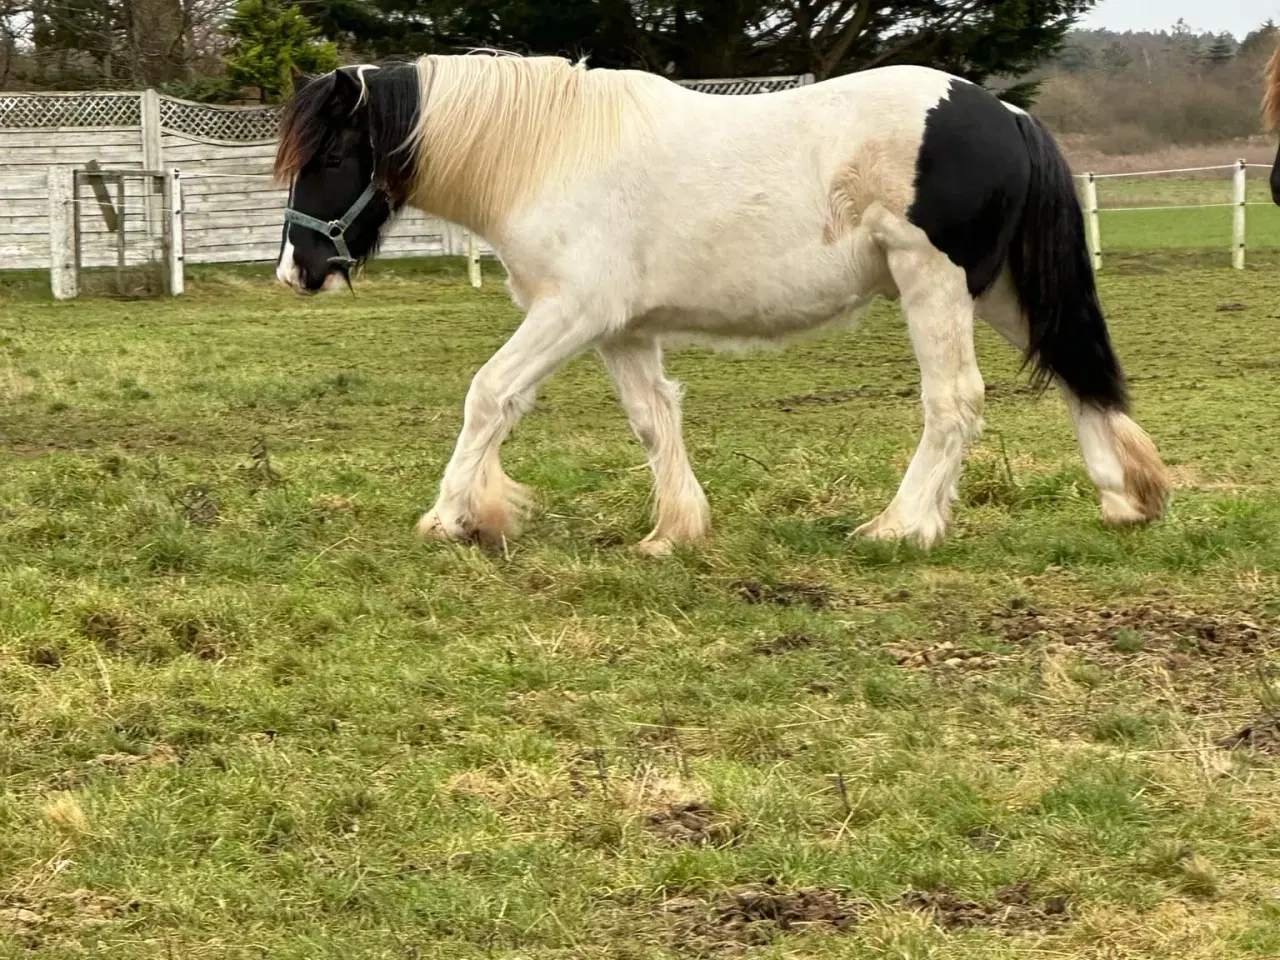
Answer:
[(344, 149)]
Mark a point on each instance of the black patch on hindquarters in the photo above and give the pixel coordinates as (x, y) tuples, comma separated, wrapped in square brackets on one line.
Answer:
[(993, 188), (972, 177)]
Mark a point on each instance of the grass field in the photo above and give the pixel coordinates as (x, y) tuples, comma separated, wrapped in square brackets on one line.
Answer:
[(246, 715), (1208, 227)]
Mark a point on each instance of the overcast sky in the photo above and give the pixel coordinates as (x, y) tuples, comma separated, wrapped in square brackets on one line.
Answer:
[(1234, 16)]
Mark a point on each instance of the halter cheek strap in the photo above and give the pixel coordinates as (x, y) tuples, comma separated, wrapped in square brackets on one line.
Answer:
[(335, 230)]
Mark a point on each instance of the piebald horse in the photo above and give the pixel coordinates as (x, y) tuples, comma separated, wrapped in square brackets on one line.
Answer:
[(630, 211)]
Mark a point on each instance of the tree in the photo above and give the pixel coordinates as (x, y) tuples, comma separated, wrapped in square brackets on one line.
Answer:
[(270, 41), (1221, 51), (1259, 42), (110, 43), (1076, 58), (1116, 58), (976, 39)]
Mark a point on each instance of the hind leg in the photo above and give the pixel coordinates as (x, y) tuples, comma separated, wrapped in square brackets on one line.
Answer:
[(1122, 461), (939, 312)]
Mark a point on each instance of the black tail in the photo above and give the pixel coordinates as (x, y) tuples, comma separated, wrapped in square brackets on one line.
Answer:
[(1049, 260)]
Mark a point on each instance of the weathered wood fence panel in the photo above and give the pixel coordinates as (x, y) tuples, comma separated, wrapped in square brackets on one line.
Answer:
[(232, 211)]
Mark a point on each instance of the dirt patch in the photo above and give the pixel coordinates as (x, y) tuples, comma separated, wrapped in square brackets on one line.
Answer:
[(260, 473), (786, 643), (109, 628), (196, 505), (919, 656), (755, 914), (122, 763), (788, 593), (1213, 634), (1167, 634), (45, 655), (1014, 911), (692, 824), (1262, 735), (24, 914), (162, 756), (203, 638)]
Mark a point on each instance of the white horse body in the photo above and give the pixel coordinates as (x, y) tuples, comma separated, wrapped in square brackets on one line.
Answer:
[(630, 211), (711, 224)]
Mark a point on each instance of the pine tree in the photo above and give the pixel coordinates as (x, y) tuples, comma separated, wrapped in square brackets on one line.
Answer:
[(1222, 51), (270, 40), (1259, 42)]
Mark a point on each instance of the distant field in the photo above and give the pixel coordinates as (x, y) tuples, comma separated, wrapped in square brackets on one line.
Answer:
[(1084, 154), (1207, 229), (246, 715)]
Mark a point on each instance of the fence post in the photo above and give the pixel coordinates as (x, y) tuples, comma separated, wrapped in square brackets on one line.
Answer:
[(152, 162), (62, 233), (152, 156), (473, 261), (177, 242), (1240, 198), (1091, 215)]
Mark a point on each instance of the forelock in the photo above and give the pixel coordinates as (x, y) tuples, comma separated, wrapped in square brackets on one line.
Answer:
[(305, 124)]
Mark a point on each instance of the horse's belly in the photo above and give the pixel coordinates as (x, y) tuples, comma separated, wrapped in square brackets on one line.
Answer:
[(759, 297)]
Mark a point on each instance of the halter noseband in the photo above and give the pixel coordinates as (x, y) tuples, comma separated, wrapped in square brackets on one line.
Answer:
[(334, 230)]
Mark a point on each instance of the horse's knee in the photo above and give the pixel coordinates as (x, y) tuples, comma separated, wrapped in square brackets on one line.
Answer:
[(482, 402), (488, 399)]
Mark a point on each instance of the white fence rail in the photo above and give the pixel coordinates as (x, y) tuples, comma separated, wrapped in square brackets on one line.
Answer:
[(1239, 204)]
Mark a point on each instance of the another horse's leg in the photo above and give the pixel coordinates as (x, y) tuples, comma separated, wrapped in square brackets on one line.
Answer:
[(939, 311), (652, 403), (477, 500), (1121, 459)]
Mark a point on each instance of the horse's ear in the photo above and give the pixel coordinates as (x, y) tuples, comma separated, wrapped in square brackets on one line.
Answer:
[(346, 90), (300, 80)]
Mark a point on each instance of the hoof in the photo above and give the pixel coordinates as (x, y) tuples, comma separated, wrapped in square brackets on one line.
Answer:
[(430, 527), (652, 546), (891, 530), (1120, 510)]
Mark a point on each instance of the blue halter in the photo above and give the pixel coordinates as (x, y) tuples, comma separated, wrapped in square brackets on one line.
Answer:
[(334, 230)]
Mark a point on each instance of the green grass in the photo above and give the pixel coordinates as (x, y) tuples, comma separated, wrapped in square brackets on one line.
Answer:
[(1160, 191), (1124, 230), (245, 714)]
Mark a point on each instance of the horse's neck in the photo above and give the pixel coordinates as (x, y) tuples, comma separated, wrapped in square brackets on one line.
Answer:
[(493, 145)]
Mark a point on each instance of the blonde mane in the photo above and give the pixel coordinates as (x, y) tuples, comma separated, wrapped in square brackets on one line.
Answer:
[(494, 130), (1271, 100)]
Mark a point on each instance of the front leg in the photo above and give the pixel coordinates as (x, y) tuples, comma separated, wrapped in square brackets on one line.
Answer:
[(477, 500)]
